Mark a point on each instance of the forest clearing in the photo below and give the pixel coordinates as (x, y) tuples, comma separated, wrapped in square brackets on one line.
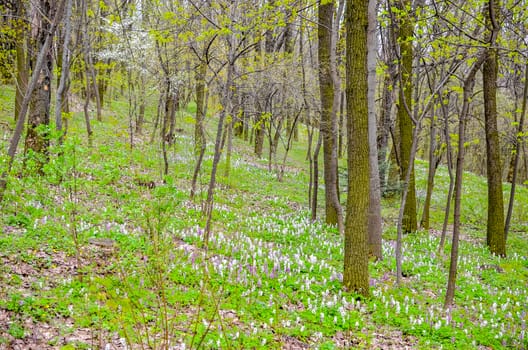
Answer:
[(263, 175)]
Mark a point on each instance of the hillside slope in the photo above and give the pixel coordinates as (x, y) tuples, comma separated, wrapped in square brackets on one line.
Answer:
[(101, 251)]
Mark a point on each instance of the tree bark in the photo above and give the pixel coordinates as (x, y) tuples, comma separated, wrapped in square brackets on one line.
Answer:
[(433, 165), (90, 71), (21, 58), (495, 227), (39, 117), (517, 154), (65, 71), (374, 219), (449, 156), (405, 123), (334, 215), (469, 83), (226, 101), (356, 277), (315, 176), (199, 131), (35, 75)]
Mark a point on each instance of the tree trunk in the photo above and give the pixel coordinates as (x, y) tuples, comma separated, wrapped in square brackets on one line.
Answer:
[(65, 71), (35, 77), (315, 175), (199, 132), (39, 117), (88, 61), (495, 228), (164, 126), (388, 167), (433, 164), (449, 156), (341, 126), (334, 215), (21, 58), (356, 276), (259, 136), (469, 83), (374, 218), (226, 101), (229, 147), (517, 153), (405, 123), (385, 127)]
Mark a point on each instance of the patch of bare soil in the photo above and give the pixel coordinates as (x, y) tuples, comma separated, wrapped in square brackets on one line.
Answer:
[(29, 273), (292, 343), (449, 234), (53, 335), (392, 339)]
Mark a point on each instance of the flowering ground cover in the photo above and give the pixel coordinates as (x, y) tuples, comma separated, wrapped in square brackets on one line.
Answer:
[(92, 258)]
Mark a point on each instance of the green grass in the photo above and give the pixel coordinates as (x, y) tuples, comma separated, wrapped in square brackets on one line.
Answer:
[(270, 275)]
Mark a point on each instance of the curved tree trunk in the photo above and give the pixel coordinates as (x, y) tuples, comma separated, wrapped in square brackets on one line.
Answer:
[(469, 83)]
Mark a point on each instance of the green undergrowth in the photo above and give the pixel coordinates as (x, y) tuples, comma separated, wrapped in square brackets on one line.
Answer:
[(103, 240)]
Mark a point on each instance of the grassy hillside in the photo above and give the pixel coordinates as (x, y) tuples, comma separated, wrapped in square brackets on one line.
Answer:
[(91, 257)]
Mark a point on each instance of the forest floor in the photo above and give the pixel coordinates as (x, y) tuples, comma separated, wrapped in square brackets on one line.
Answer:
[(101, 251)]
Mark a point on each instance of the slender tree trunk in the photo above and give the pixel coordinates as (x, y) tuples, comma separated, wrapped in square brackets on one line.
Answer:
[(341, 127), (517, 154), (142, 104), (449, 156), (374, 217), (469, 83), (356, 276), (165, 137), (259, 136), (405, 123), (334, 213), (199, 128), (87, 113), (387, 103), (385, 130), (158, 116), (495, 228), (315, 186), (65, 71), (226, 100), (291, 137), (90, 71), (229, 148), (21, 58), (433, 164)]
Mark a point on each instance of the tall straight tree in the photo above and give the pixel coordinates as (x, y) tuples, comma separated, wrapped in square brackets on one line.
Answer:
[(374, 226), (405, 122), (334, 214), (21, 55), (495, 229), (356, 277)]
